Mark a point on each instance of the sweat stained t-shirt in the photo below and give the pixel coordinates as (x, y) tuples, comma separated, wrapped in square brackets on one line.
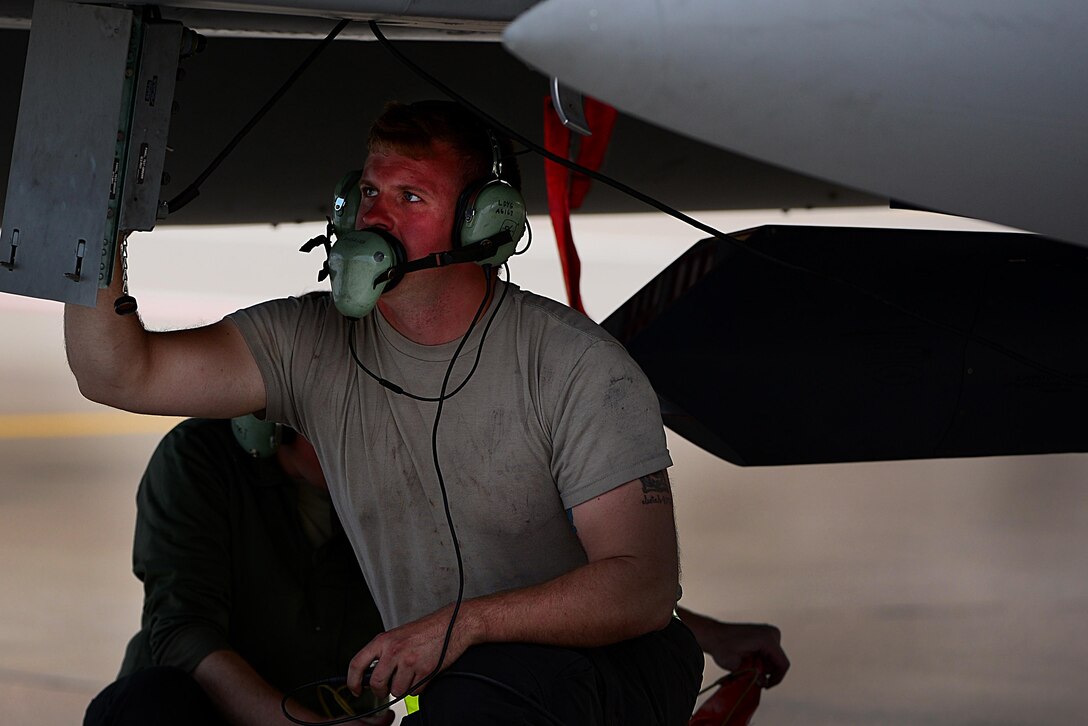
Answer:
[(555, 414)]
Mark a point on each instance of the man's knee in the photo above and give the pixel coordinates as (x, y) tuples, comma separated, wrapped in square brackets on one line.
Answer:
[(503, 683), (159, 695)]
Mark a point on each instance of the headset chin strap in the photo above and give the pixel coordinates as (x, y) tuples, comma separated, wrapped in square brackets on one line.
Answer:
[(475, 252)]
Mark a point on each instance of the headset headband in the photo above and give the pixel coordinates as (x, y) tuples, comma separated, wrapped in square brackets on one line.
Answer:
[(496, 155)]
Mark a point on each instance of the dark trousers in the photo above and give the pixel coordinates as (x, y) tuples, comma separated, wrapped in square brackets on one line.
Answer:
[(647, 681), (158, 696)]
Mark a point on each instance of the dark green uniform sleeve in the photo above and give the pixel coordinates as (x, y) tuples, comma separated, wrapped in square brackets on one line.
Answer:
[(182, 548), (226, 564)]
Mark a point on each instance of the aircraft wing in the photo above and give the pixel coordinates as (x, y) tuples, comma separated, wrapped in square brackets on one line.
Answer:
[(315, 133)]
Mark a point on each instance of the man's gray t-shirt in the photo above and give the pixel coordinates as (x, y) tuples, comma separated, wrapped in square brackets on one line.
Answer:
[(555, 414)]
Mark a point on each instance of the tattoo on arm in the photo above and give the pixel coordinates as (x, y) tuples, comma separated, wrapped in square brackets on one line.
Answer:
[(655, 488)]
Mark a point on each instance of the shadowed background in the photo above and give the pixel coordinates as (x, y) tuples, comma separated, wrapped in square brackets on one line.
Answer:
[(931, 592)]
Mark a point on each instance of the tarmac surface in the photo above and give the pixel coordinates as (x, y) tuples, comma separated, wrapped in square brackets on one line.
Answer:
[(939, 592)]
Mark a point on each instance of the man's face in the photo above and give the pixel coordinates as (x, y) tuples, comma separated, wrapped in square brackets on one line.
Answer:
[(412, 199)]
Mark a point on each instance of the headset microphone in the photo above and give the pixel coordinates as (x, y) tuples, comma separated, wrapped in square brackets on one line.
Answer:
[(364, 263), (482, 253), (360, 264)]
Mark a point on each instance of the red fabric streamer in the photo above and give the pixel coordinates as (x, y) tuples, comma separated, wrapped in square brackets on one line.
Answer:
[(736, 699), (567, 190)]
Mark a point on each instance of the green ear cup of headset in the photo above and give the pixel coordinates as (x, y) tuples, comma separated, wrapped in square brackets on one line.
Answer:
[(498, 207), (358, 259), (259, 439), (345, 202)]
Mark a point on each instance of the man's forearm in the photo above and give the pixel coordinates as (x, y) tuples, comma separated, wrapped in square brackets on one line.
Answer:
[(105, 350), (597, 604), (731, 644), (600, 603), (703, 628), (239, 692)]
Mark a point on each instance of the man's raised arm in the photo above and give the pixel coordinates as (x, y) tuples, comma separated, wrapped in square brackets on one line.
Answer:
[(207, 371)]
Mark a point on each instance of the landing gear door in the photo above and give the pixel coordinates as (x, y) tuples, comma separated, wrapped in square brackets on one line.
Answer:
[(90, 145)]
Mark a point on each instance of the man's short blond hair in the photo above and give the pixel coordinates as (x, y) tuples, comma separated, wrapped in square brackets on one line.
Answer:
[(414, 130)]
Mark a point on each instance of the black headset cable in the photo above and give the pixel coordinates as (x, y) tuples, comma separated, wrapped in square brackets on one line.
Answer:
[(479, 349), (440, 400), (192, 191)]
